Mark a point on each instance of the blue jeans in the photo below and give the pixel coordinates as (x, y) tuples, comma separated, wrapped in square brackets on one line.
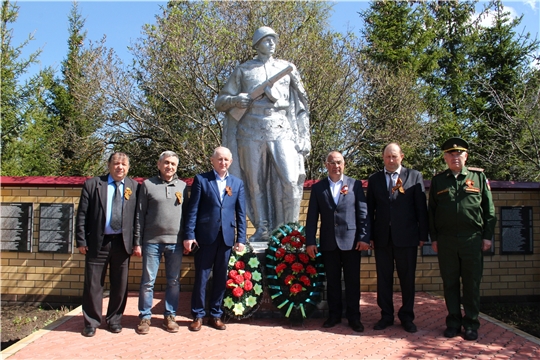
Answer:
[(151, 259)]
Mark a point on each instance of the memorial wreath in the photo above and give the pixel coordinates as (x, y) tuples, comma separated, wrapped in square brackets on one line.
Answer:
[(295, 281), (244, 290)]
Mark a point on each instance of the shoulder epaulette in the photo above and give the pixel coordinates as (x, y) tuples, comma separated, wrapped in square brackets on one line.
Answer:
[(475, 169)]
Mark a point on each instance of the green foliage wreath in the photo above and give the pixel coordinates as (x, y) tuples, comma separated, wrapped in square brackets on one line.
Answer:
[(295, 281)]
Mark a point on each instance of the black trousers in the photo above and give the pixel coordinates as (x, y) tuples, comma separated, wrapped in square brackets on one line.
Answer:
[(112, 255), (334, 261), (405, 260)]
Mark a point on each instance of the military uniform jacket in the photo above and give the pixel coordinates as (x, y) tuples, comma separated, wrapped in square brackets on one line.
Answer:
[(461, 206)]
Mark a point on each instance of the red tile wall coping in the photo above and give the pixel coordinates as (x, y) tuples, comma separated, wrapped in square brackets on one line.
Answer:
[(69, 181)]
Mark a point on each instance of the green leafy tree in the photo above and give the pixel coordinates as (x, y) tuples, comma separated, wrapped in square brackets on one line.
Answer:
[(185, 59), (503, 78), (14, 96), (77, 105)]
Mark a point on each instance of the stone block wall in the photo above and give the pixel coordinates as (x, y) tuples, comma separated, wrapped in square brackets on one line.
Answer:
[(38, 277)]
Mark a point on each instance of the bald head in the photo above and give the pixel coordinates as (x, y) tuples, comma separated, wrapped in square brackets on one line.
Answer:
[(392, 156)]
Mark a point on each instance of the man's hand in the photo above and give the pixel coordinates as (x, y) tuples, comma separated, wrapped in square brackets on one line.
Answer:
[(239, 247), (312, 251), (187, 245), (137, 251), (362, 246), (435, 247), (486, 244), (421, 244), (83, 249)]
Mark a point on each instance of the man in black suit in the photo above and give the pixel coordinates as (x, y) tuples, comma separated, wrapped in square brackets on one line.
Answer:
[(398, 216), (104, 234), (340, 202)]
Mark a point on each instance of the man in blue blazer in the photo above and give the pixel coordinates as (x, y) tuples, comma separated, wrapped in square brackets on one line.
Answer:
[(399, 224), (340, 202), (215, 222)]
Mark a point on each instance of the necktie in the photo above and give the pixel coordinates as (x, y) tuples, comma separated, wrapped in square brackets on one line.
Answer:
[(116, 216), (390, 183)]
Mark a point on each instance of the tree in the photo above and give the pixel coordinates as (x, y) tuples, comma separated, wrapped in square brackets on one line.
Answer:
[(77, 104), (14, 97), (503, 79), (184, 60)]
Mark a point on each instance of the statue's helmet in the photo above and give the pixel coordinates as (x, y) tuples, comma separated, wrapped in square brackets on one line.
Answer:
[(262, 32)]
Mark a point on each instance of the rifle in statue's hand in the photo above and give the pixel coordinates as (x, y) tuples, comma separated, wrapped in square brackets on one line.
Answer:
[(237, 112)]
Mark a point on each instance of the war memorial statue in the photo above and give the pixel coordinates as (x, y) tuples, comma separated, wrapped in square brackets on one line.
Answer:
[(267, 128)]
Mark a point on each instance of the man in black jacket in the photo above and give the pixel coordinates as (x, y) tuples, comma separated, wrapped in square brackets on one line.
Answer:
[(104, 234), (399, 224)]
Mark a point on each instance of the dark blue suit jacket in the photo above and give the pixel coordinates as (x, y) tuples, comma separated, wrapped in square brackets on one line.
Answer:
[(342, 225), (206, 212)]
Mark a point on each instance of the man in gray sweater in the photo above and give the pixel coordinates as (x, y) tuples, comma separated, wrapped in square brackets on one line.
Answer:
[(159, 231)]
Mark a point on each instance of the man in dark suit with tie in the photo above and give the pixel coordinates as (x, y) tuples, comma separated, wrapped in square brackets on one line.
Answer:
[(104, 234), (340, 203), (399, 224), (215, 222)]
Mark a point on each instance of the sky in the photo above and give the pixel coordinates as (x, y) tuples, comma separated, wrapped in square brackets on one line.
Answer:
[(122, 21)]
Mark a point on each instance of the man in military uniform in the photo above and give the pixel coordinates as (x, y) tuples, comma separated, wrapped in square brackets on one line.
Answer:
[(462, 221)]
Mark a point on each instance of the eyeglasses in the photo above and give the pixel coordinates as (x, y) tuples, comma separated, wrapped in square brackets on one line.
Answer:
[(334, 162)]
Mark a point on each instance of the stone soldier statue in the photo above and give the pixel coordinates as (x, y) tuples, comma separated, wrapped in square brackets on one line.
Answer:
[(267, 122)]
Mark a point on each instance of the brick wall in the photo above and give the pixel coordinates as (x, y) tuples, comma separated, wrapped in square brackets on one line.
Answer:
[(53, 277)]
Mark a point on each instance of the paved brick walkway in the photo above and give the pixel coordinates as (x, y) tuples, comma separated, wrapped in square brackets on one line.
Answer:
[(274, 338)]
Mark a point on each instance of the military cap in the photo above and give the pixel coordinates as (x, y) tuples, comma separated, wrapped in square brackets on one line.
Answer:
[(454, 144)]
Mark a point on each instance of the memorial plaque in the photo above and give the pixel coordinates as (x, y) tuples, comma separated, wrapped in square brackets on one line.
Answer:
[(516, 230), (16, 228), (56, 228)]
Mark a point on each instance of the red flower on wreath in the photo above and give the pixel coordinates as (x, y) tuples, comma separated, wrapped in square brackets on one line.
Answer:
[(297, 267), (296, 244), (239, 265), (286, 240), (311, 270), (296, 233), (280, 253), (305, 280), (238, 279), (280, 267), (295, 289), (230, 284), (247, 275), (237, 291), (289, 279), (233, 273), (290, 258), (248, 285), (303, 258)]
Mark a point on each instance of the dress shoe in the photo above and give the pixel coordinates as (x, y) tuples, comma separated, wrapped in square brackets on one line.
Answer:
[(409, 326), (331, 322), (471, 334), (451, 332), (115, 328), (89, 331), (216, 323), (356, 325), (382, 324), (196, 324)]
